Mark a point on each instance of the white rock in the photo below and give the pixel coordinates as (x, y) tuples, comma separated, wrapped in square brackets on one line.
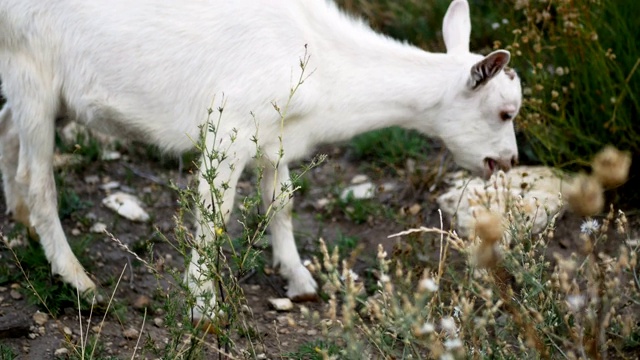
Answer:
[(360, 191), (283, 304), (359, 179), (98, 228), (110, 155), (61, 352), (110, 185), (127, 206), (523, 185)]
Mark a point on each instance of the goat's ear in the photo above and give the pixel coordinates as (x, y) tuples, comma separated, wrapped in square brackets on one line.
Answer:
[(456, 27), (488, 67)]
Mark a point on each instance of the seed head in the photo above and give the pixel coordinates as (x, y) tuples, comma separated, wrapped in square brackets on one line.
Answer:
[(611, 167), (585, 196), (489, 226)]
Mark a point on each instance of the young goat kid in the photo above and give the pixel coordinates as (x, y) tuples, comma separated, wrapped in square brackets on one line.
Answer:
[(149, 70)]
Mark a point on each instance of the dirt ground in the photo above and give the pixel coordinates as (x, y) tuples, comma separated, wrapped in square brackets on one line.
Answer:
[(32, 337)]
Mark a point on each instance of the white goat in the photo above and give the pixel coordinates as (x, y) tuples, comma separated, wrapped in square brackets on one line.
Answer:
[(149, 69)]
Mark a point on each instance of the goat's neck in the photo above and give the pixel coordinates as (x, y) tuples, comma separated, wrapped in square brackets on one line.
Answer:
[(393, 86)]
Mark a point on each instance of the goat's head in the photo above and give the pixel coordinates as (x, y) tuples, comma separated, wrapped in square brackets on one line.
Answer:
[(483, 98)]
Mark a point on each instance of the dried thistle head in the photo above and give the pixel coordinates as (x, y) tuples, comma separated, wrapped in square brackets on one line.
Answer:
[(488, 226), (611, 167), (585, 195)]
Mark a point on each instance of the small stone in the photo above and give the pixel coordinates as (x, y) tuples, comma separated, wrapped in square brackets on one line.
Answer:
[(111, 185), (322, 203), (13, 243), (130, 333), (67, 331), (127, 206), (158, 322), (282, 304), (415, 209), (360, 191), (312, 332), (359, 179), (61, 352), (40, 318), (76, 232), (111, 155), (96, 329), (98, 228), (3, 288), (92, 179), (15, 294), (32, 336), (142, 302)]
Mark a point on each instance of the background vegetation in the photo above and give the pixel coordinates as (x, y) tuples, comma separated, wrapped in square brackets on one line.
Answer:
[(578, 60)]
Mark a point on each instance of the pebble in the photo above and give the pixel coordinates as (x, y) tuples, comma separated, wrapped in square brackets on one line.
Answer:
[(92, 179), (67, 330), (359, 179), (282, 304), (111, 185), (111, 155), (126, 205), (98, 228), (61, 352), (15, 294), (76, 232), (158, 322), (142, 302), (359, 191), (40, 318), (130, 333)]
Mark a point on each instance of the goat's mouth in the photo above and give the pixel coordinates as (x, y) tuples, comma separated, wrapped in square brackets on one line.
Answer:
[(491, 166)]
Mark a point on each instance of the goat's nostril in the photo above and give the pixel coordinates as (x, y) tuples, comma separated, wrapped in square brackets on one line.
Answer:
[(514, 161)]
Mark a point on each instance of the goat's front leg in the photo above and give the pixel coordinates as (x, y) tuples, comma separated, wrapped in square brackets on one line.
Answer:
[(217, 194), (277, 197), (9, 150), (35, 121)]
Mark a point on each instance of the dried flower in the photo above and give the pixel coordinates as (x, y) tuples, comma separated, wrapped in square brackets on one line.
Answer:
[(489, 226), (611, 167), (585, 196)]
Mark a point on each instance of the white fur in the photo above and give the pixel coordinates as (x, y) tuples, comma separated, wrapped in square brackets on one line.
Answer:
[(150, 69)]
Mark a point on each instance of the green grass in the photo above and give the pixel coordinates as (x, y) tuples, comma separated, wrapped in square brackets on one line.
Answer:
[(6, 353), (314, 350), (389, 148), (37, 284)]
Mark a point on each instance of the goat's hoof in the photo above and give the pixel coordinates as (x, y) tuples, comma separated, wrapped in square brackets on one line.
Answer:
[(312, 297), (302, 286)]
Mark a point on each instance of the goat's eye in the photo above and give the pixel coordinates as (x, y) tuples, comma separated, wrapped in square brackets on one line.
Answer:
[(505, 116)]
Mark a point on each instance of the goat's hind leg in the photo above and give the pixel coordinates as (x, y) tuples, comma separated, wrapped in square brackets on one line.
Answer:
[(9, 150), (33, 116)]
